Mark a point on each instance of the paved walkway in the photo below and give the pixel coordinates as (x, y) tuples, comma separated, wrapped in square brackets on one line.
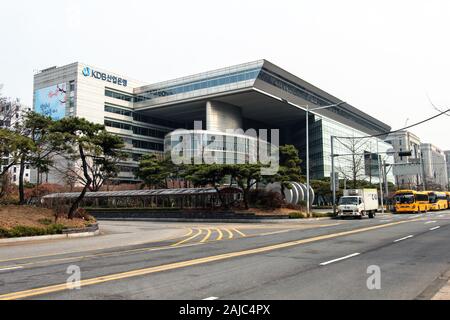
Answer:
[(444, 292)]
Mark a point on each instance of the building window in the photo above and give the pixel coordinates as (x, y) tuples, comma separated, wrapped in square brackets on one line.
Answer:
[(147, 145), (118, 125), (139, 117), (117, 95), (122, 112), (149, 132)]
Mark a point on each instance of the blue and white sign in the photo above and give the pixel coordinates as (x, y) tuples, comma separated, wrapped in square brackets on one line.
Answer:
[(89, 72), (51, 101)]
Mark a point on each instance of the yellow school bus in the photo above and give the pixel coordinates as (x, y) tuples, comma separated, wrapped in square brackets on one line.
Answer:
[(438, 200), (448, 198), (411, 201)]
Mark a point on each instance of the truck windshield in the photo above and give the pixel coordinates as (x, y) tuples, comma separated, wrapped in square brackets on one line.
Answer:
[(348, 200), (405, 198)]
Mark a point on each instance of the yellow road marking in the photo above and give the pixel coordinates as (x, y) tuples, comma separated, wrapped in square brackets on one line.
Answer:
[(208, 235), (237, 231), (230, 234), (189, 263), (148, 249), (119, 253), (188, 239), (220, 237), (95, 255)]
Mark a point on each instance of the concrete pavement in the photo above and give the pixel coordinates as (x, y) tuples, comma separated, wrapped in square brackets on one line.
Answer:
[(303, 260), (112, 235)]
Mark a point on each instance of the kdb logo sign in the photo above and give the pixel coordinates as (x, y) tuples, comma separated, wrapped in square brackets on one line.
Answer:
[(88, 72)]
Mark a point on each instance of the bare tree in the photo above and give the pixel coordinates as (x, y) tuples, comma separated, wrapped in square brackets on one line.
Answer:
[(352, 165)]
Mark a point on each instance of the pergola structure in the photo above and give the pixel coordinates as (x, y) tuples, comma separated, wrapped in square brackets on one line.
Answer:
[(198, 198)]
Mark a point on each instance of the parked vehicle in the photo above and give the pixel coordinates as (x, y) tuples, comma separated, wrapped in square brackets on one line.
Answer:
[(438, 200), (411, 201), (448, 198), (359, 203)]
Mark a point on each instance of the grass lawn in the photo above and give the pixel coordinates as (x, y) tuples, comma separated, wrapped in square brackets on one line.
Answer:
[(27, 221)]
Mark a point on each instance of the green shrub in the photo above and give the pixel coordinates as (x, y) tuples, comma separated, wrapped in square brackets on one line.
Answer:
[(55, 229), (45, 222), (4, 233), (297, 215), (322, 215), (23, 231)]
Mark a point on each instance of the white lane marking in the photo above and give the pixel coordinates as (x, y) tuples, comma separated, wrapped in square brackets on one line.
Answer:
[(385, 221), (405, 238), (211, 299), (435, 228), (340, 259), (10, 268), (430, 222)]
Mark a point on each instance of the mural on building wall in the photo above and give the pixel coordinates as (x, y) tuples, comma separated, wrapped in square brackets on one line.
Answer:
[(51, 101)]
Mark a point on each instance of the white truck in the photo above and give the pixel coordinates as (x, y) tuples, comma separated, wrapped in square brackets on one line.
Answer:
[(359, 203)]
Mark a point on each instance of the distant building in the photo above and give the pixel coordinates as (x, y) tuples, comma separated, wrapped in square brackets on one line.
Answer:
[(434, 166), (11, 115), (405, 141)]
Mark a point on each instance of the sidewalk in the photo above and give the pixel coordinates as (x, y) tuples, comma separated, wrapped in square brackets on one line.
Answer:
[(443, 293)]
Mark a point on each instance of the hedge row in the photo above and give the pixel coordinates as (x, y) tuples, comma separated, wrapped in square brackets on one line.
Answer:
[(23, 231)]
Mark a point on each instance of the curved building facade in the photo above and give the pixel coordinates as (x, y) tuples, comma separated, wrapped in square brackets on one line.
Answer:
[(215, 147)]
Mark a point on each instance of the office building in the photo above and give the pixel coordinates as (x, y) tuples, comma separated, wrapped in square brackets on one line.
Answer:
[(256, 95)]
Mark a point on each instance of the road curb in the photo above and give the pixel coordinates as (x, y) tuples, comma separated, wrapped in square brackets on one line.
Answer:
[(51, 237)]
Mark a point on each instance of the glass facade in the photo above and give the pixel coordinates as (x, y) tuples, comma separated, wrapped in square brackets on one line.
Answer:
[(205, 83), (120, 111), (118, 125), (147, 145), (117, 95), (215, 147), (137, 130), (301, 92), (362, 165)]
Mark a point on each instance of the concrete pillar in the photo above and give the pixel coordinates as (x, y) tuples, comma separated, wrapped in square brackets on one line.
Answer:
[(222, 116)]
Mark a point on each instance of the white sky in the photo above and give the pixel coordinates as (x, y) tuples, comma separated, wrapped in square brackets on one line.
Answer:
[(383, 57)]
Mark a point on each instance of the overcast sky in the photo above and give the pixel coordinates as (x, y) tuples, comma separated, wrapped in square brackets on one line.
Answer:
[(383, 57)]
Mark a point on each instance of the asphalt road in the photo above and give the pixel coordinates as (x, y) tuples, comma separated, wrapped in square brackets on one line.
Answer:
[(317, 259)]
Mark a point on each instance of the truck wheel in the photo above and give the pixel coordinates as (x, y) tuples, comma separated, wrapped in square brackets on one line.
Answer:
[(371, 215)]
